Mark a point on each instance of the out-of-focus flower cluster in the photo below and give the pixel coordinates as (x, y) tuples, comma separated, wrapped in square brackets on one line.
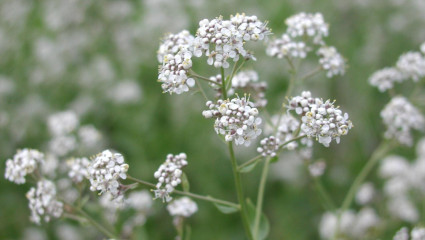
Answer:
[(321, 120), (25, 162), (169, 176), (304, 32), (417, 233), (237, 119), (410, 65), (400, 117)]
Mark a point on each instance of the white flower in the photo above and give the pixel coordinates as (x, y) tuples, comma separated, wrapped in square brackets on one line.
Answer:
[(169, 176), (365, 193), (24, 162), (105, 170), (43, 203), (412, 65), (331, 61), (173, 74), (125, 92), (269, 146), (173, 43), (248, 82), (309, 25), (321, 120), (89, 136), (402, 234), (141, 201), (287, 47), (287, 126), (400, 116), (62, 145), (384, 79), (423, 47), (404, 209), (317, 168), (221, 40), (237, 120), (182, 207), (62, 123), (78, 169), (418, 233)]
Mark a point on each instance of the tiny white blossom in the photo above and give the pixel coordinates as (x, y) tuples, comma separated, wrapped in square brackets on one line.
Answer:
[(402, 234), (365, 193), (248, 82), (317, 168), (331, 61), (418, 233), (43, 203), (24, 162), (321, 120), (173, 74), (62, 145), (237, 119), (182, 207), (400, 116), (78, 169), (412, 65), (62, 123), (287, 47), (269, 146), (105, 170), (169, 176), (173, 43), (384, 79), (309, 25)]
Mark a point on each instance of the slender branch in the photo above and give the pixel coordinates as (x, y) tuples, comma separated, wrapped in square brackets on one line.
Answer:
[(234, 71), (193, 74), (328, 202), (310, 74), (254, 159), (260, 197), (239, 191), (189, 194), (379, 152), (223, 84), (201, 90)]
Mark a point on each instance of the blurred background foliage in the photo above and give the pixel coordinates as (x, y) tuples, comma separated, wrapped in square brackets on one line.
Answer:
[(57, 55)]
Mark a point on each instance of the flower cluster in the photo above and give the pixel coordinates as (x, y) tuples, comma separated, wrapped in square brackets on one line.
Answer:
[(169, 176), (182, 207), (23, 163), (352, 225), (400, 116), (320, 119), (78, 169), (417, 233), (269, 146), (236, 119), (285, 127), (62, 123), (285, 46), (222, 39), (105, 170), (412, 64), (173, 43), (43, 203), (309, 25), (317, 168), (331, 61), (248, 82), (174, 72), (384, 79)]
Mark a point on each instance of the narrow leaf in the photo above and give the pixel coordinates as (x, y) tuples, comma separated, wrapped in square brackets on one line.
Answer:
[(185, 183), (248, 168), (264, 226), (225, 209)]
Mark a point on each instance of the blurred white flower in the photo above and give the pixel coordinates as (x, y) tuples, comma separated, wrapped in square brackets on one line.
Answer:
[(24, 162), (365, 193), (182, 207), (62, 123), (78, 169), (311, 25), (384, 79), (412, 65), (331, 61)]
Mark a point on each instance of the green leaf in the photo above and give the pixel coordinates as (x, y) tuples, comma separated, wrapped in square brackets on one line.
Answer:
[(274, 159), (225, 209), (248, 168), (264, 226), (185, 183)]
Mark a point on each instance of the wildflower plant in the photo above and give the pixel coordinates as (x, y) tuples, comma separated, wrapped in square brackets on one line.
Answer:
[(236, 108)]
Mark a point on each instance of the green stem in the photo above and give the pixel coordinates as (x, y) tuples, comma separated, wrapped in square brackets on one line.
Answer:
[(239, 191), (223, 84), (95, 223), (310, 74), (328, 203), (379, 152), (193, 74), (189, 194), (260, 196), (202, 90)]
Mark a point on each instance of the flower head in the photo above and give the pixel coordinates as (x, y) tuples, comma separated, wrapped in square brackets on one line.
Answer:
[(23, 163), (78, 169), (173, 43), (169, 176), (236, 119), (269, 146), (105, 170), (182, 207), (43, 203), (309, 25), (320, 119), (331, 61), (384, 79), (400, 116), (285, 46), (412, 65), (62, 123)]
